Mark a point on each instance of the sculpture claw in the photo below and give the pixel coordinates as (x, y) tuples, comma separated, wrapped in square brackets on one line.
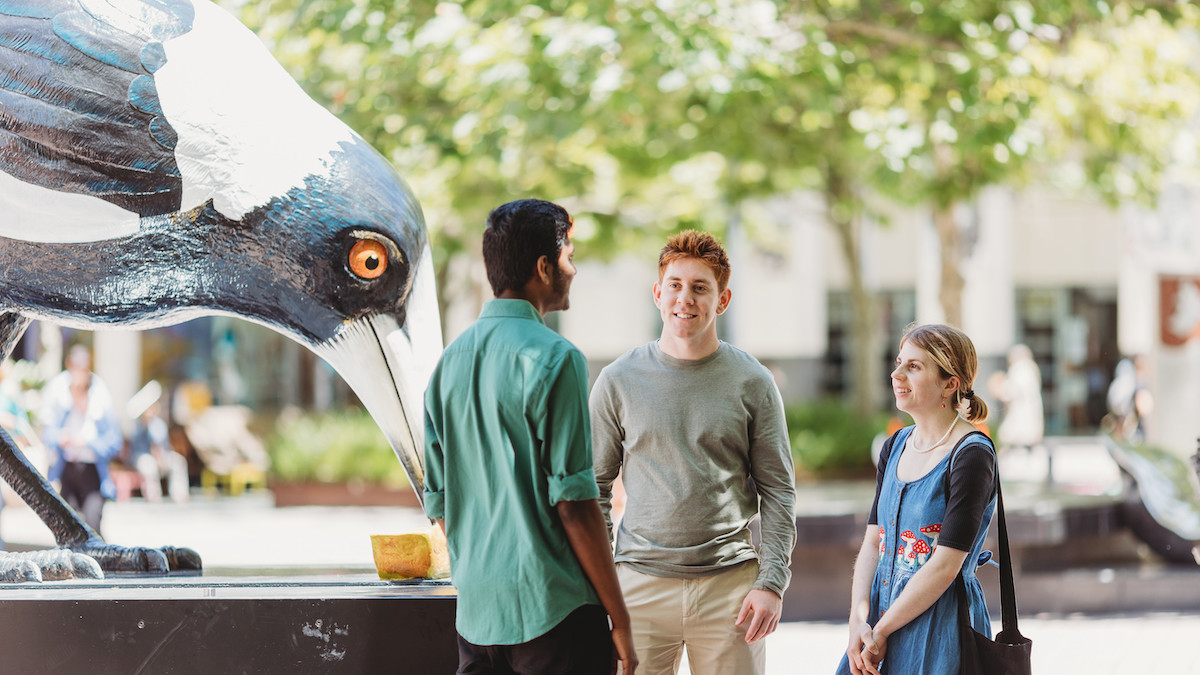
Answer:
[(14, 570), (91, 559), (53, 564), (137, 559), (140, 559), (182, 559)]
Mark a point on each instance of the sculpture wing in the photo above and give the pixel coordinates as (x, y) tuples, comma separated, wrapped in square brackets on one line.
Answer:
[(79, 111)]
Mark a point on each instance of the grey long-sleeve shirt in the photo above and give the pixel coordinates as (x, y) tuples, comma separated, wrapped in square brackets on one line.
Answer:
[(688, 438)]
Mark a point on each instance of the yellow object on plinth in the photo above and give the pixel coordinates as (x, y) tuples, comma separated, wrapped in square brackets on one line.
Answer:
[(420, 555)]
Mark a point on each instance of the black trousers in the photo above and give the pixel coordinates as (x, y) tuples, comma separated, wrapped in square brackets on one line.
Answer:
[(81, 489), (580, 644)]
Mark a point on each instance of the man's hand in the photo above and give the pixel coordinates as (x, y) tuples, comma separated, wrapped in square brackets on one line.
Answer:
[(765, 607), (584, 525), (626, 656)]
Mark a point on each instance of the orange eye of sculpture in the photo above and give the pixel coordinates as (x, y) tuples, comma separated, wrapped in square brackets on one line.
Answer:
[(368, 259)]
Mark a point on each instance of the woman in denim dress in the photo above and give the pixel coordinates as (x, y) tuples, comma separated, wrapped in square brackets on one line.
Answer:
[(925, 526)]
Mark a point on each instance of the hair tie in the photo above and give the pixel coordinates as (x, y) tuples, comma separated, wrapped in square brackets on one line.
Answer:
[(970, 393)]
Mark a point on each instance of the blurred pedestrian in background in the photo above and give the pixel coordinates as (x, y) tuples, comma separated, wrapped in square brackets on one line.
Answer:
[(15, 421), (1020, 388), (1129, 401), (82, 434), (150, 450)]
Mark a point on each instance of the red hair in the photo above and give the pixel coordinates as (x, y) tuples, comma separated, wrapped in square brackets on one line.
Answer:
[(701, 246)]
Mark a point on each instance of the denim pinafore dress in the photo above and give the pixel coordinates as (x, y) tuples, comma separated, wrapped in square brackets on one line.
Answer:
[(910, 518)]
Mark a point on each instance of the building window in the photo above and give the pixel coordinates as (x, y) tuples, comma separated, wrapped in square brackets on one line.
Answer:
[(894, 311), (1072, 333)]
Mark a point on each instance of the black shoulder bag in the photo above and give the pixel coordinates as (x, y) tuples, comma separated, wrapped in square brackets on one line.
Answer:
[(1009, 653)]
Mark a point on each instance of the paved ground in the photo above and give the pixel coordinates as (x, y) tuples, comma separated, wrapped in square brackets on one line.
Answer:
[(1148, 644), (248, 534)]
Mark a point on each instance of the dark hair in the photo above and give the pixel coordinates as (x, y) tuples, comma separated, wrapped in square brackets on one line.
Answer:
[(954, 354), (701, 246), (517, 234)]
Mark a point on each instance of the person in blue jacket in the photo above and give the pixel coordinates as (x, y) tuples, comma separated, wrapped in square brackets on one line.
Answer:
[(82, 435)]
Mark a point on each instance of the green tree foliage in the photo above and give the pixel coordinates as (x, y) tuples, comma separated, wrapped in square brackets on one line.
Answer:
[(481, 102), (930, 102), (968, 94), (647, 116), (1115, 120)]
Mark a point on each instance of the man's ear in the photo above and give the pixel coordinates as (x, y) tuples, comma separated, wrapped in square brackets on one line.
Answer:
[(657, 291), (545, 270), (723, 301)]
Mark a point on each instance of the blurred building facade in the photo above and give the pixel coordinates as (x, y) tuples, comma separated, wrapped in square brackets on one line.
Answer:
[(1081, 284)]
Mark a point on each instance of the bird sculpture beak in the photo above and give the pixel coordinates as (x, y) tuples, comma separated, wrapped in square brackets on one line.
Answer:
[(388, 360)]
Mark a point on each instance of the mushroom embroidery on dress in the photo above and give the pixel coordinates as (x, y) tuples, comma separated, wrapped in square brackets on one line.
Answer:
[(921, 550), (932, 531), (908, 538), (914, 549)]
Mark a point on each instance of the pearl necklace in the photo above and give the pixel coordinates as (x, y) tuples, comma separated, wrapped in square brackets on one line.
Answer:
[(913, 442)]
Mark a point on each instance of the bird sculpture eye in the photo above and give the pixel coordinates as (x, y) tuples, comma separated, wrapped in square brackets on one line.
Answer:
[(368, 259)]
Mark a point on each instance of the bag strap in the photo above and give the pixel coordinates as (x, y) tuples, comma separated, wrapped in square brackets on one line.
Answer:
[(1009, 633), (1008, 592)]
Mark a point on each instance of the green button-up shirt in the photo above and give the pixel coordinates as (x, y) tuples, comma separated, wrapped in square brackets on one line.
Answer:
[(507, 437)]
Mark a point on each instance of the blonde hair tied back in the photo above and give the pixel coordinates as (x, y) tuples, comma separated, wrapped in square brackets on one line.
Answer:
[(955, 356)]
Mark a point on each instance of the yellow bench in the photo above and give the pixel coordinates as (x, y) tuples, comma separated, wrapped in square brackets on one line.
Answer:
[(242, 476)]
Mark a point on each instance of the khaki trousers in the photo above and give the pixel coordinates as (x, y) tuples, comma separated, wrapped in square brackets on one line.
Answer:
[(670, 614)]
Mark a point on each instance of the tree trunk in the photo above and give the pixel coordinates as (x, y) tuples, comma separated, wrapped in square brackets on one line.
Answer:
[(950, 292), (949, 239), (845, 214)]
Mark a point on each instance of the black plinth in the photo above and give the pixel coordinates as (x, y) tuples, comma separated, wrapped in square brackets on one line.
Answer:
[(341, 624)]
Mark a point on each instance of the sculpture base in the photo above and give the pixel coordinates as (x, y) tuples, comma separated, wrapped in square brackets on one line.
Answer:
[(195, 624)]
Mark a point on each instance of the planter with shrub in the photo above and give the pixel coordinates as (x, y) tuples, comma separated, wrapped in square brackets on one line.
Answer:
[(830, 439), (335, 458)]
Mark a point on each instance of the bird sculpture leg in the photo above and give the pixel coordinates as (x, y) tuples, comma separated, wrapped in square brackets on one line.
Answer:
[(69, 529)]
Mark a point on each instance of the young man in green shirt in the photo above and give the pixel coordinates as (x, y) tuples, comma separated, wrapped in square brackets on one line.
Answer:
[(695, 428), (509, 474)]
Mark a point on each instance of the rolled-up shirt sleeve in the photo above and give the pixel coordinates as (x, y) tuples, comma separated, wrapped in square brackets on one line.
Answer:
[(435, 484), (566, 435), (577, 487)]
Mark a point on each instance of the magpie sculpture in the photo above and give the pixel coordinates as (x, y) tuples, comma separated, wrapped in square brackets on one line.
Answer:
[(157, 164)]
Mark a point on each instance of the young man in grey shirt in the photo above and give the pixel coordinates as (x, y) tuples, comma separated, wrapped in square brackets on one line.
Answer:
[(695, 427)]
